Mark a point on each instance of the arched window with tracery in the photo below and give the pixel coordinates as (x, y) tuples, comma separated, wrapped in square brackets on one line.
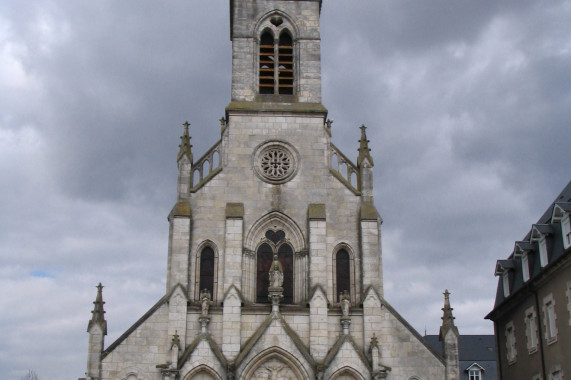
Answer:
[(275, 245), (276, 63)]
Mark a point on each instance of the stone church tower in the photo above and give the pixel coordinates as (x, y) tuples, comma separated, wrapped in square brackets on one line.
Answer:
[(274, 260)]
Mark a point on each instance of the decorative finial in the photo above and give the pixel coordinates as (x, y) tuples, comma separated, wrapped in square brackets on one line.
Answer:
[(185, 146), (364, 151), (98, 313)]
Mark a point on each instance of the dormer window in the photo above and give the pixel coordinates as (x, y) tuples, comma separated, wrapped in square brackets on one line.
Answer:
[(566, 230), (562, 212), (506, 283), (524, 267), (539, 233), (475, 374), (503, 268), (522, 250), (542, 251), (475, 371), (276, 63)]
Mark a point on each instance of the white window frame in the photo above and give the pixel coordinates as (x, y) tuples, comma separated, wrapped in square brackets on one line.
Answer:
[(511, 351), (550, 319), (555, 372), (475, 374), (542, 244), (525, 267), (506, 283), (566, 230), (531, 329)]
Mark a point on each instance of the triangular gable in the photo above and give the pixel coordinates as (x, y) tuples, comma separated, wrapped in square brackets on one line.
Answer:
[(560, 209), (214, 358), (236, 291), (344, 348), (287, 333), (313, 292), (474, 366), (539, 231)]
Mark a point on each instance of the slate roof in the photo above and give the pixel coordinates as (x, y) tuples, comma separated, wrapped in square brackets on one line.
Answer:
[(479, 349), (554, 247), (474, 348)]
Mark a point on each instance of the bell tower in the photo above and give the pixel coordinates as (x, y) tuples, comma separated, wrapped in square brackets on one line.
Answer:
[(275, 52)]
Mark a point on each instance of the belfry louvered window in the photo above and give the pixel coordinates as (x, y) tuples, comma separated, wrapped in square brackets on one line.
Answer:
[(276, 64)]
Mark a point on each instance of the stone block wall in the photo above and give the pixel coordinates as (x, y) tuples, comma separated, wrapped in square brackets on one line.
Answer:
[(141, 351)]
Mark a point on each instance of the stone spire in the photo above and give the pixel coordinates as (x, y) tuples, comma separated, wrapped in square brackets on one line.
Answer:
[(364, 151), (449, 337), (98, 313), (185, 146)]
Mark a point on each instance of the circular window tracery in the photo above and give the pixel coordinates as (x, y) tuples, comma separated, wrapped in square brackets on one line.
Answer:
[(275, 162)]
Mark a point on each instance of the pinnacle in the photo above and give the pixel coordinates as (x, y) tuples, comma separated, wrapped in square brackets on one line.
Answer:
[(98, 313), (447, 317), (364, 150), (185, 146)]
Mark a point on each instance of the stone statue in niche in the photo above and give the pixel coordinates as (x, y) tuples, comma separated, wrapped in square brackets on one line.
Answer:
[(276, 274), (345, 304), (205, 302)]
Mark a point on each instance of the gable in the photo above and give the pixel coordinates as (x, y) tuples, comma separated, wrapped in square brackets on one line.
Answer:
[(274, 340)]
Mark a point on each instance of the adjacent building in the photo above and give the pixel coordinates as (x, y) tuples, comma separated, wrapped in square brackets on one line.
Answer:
[(532, 313), (274, 260)]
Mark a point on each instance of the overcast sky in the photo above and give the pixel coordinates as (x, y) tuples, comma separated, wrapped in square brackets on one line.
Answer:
[(468, 108)]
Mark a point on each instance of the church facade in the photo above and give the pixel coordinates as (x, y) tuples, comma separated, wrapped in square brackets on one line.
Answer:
[(274, 260)]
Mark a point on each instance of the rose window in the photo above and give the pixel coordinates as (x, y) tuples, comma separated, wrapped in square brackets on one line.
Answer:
[(275, 162)]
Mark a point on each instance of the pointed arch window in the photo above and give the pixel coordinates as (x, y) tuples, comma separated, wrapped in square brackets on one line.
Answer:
[(275, 245), (207, 265), (276, 64), (343, 273)]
